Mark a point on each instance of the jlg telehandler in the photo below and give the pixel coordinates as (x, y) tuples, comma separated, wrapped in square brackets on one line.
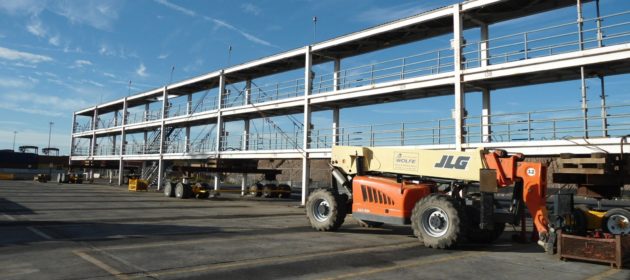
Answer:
[(447, 196)]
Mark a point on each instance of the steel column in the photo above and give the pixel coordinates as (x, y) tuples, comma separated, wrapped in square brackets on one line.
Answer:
[(219, 126), (484, 54), (248, 92), (189, 108), (459, 110), (600, 35), (584, 101), (335, 126), (123, 143), (245, 143), (72, 131), (162, 126), (604, 109), (94, 127), (308, 87), (243, 184), (580, 24), (337, 74), (486, 112), (187, 140)]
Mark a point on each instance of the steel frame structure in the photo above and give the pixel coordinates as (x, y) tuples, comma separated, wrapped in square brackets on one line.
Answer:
[(452, 71)]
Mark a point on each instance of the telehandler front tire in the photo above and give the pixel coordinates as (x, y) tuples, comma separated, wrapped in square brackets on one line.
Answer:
[(439, 221), (326, 210)]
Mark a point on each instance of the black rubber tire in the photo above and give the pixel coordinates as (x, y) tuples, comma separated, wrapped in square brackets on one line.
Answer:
[(325, 210), (169, 190), (182, 190), (616, 212), (256, 189), (369, 224), (456, 227), (284, 191), (203, 195), (269, 190)]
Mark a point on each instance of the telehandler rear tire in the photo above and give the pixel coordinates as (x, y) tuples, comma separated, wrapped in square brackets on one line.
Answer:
[(439, 221), (326, 210)]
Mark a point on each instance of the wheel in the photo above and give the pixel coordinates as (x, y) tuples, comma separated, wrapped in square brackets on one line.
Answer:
[(473, 214), (203, 195), (256, 189), (439, 221), (182, 190), (369, 224), (284, 191), (616, 221), (169, 191), (325, 210), (269, 190)]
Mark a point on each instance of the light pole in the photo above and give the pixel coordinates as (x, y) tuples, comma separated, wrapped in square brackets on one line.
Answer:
[(14, 133), (50, 124), (50, 165)]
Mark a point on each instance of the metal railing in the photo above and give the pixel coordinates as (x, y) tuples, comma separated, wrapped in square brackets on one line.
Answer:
[(551, 124), (417, 65), (597, 32)]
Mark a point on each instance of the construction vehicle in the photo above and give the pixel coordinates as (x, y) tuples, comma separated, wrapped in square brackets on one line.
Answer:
[(450, 196), (446, 196), (70, 178), (184, 189), (269, 187)]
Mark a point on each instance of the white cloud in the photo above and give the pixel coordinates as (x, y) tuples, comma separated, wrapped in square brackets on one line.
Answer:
[(163, 56), (81, 63), (250, 8), (217, 22), (55, 41), (35, 27), (93, 83), (250, 37), (29, 7), (177, 8), (13, 83), (109, 75), (388, 13), (142, 70), (10, 54), (96, 13), (40, 104)]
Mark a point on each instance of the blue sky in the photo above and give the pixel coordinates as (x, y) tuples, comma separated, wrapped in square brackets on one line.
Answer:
[(57, 57)]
